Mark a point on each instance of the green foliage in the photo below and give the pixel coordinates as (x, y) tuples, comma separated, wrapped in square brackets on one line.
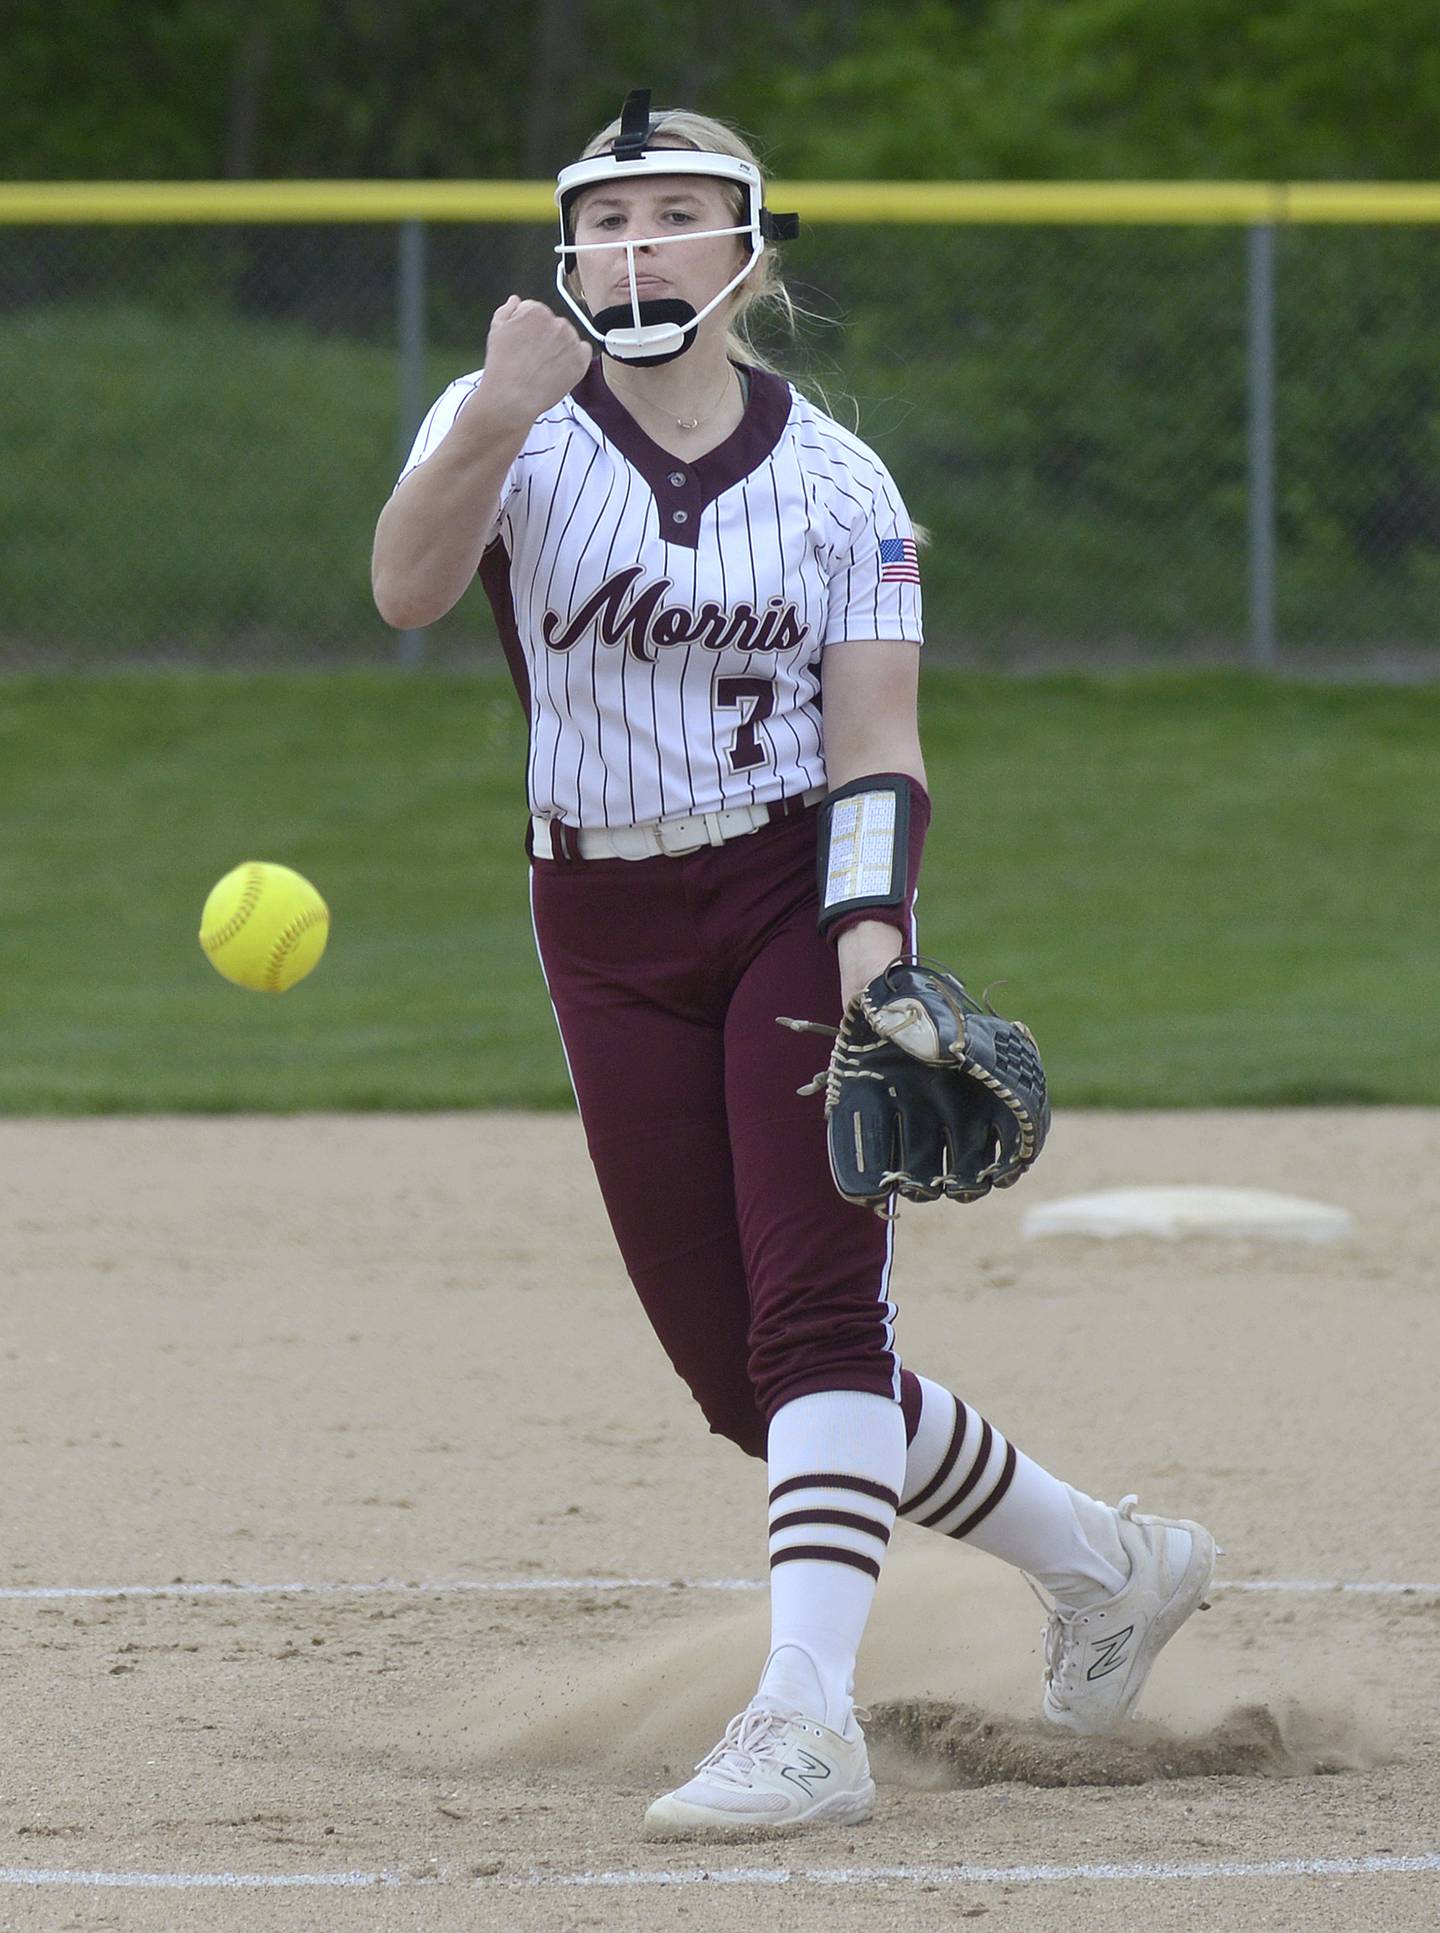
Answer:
[(1117, 89), (1206, 897), (1065, 408), (102, 90), (992, 88)]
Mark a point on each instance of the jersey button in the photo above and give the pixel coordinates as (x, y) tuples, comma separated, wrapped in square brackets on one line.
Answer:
[(677, 477), (679, 517)]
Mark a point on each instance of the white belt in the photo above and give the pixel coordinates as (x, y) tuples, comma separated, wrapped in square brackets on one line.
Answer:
[(668, 836)]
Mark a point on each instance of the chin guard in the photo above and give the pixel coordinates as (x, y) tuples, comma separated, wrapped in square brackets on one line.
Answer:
[(647, 332), (659, 335)]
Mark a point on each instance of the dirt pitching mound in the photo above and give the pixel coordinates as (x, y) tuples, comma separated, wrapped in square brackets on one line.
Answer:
[(951, 1673), (930, 1743)]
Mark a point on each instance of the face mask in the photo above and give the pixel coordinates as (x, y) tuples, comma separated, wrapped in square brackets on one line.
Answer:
[(646, 332)]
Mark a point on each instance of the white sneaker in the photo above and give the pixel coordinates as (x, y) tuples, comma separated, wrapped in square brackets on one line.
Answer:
[(771, 1770), (1097, 1660)]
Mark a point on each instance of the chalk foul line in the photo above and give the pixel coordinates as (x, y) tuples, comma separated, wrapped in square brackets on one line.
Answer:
[(1143, 1872), (522, 1586), (386, 1587)]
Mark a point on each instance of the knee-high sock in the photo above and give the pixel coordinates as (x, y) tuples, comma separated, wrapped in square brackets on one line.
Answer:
[(963, 1479), (836, 1465)]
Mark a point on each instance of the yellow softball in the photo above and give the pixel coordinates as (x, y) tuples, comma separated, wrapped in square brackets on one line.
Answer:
[(264, 926)]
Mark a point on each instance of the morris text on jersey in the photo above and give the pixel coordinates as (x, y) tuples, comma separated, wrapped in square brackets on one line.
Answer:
[(645, 624)]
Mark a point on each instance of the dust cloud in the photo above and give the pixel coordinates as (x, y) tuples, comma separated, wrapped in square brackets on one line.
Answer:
[(950, 1681)]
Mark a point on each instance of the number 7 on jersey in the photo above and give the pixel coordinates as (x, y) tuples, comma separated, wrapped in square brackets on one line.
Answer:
[(754, 699)]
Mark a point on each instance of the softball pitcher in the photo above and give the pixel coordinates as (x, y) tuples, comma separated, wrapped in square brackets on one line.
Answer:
[(709, 598)]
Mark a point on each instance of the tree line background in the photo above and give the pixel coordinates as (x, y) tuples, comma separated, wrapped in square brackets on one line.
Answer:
[(987, 89), (209, 416)]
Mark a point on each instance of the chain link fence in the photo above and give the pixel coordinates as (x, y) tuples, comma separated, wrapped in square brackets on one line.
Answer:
[(1154, 442)]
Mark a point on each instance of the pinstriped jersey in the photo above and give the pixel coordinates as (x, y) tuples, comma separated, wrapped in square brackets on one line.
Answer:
[(664, 618)]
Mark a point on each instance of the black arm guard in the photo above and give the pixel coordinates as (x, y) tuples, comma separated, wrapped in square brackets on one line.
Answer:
[(864, 852)]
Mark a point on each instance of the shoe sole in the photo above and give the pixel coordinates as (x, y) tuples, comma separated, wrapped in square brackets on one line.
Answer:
[(1185, 1599), (685, 1822)]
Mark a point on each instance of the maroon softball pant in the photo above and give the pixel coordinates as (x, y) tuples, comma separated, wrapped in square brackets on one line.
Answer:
[(666, 976)]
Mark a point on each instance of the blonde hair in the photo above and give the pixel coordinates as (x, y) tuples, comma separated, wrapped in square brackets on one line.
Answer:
[(763, 286)]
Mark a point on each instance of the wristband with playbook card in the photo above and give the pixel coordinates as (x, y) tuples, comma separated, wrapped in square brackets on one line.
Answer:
[(871, 835)]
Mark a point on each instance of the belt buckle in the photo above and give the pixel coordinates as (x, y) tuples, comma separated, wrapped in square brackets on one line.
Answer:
[(667, 838)]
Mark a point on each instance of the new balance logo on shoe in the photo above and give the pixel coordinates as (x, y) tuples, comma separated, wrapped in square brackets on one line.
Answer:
[(1110, 1653), (769, 1772), (805, 1774)]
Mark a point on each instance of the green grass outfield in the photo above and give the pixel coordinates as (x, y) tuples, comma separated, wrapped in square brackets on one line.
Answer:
[(1201, 889)]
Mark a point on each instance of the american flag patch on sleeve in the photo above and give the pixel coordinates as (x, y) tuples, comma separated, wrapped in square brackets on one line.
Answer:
[(899, 563)]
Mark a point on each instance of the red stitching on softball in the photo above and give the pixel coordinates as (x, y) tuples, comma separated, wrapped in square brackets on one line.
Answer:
[(249, 898), (288, 940)]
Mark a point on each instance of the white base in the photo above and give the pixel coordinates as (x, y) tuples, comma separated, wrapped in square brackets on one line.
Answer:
[(1174, 1213)]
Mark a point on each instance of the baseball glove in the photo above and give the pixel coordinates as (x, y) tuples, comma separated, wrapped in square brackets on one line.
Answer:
[(928, 1092)]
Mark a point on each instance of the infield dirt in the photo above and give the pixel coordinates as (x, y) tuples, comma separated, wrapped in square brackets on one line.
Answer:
[(401, 1350)]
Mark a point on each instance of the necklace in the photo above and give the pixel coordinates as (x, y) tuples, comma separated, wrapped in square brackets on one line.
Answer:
[(692, 422)]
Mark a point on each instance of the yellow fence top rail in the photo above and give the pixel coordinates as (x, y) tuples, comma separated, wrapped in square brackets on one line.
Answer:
[(1122, 203)]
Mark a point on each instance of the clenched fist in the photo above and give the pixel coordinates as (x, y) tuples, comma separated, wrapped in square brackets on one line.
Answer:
[(533, 357)]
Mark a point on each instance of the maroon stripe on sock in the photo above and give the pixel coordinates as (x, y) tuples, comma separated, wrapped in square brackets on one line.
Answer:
[(844, 1517), (912, 1401), (829, 1481), (947, 1463), (826, 1554), (977, 1470), (979, 1515)]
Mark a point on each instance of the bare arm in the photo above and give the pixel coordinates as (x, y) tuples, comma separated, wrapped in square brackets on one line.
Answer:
[(870, 688), (431, 533)]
